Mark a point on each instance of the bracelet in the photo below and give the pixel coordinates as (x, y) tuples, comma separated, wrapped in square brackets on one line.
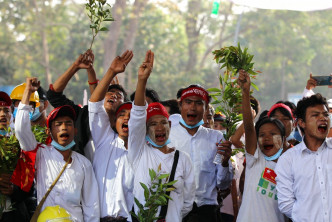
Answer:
[(93, 83)]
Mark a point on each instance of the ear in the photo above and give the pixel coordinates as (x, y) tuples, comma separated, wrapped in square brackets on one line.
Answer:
[(170, 124), (301, 123), (48, 131)]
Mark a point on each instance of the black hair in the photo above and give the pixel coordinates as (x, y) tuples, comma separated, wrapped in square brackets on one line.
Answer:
[(304, 103), (179, 93), (263, 114), (291, 105), (265, 120), (254, 103), (151, 93), (172, 104), (120, 88)]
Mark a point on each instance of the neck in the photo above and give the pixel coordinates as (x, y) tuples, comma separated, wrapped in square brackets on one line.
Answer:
[(125, 140), (312, 143), (112, 119), (165, 149), (65, 154), (190, 131)]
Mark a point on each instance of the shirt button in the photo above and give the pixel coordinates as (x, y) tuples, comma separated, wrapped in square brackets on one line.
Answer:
[(321, 182), (319, 168), (323, 198)]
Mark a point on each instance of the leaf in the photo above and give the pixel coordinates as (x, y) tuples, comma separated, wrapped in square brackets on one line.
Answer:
[(103, 29), (152, 174), (255, 86), (213, 90), (109, 19)]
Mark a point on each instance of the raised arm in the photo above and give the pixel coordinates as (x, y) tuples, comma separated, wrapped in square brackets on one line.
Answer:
[(248, 122), (137, 121), (84, 61), (118, 65), (22, 122), (143, 74)]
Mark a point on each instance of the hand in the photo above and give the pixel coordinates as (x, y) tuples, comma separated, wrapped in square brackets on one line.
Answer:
[(225, 149), (32, 84), (145, 69), (85, 61), (311, 83), (120, 63), (6, 187), (244, 80)]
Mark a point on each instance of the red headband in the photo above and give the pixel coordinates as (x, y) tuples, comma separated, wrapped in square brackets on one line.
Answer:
[(156, 109), (3, 103), (124, 106), (280, 105), (67, 109), (195, 91)]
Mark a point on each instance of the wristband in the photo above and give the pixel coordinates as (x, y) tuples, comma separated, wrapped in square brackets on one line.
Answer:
[(93, 83)]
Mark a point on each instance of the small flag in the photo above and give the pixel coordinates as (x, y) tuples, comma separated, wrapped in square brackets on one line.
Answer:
[(269, 175)]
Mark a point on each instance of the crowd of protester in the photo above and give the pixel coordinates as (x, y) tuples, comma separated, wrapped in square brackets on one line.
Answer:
[(96, 157)]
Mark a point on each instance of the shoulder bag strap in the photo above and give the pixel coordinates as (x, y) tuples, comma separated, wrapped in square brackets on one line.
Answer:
[(163, 210)]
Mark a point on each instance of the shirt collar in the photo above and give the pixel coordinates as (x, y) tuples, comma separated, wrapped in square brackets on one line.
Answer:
[(305, 148)]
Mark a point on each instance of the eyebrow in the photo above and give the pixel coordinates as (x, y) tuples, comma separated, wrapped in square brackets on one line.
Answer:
[(67, 121)]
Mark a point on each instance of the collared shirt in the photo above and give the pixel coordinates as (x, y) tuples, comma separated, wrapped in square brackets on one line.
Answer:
[(144, 157), (304, 183), (202, 149), (113, 171), (76, 190)]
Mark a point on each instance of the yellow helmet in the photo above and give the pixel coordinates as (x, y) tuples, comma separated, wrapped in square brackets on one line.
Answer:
[(17, 94), (54, 213)]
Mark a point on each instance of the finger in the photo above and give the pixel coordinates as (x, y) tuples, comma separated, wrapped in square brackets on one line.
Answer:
[(124, 54), (152, 59), (129, 57), (147, 56), (310, 75)]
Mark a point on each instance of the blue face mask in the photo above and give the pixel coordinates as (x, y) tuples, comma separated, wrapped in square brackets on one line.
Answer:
[(15, 112), (191, 127), (275, 156), (154, 144), (35, 115), (291, 136), (63, 148)]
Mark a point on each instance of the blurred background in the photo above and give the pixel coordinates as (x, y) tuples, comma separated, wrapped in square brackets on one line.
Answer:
[(43, 38)]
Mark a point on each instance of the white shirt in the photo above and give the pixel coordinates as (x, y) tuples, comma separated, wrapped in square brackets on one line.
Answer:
[(202, 149), (304, 183), (145, 157), (113, 171), (307, 93), (259, 201), (76, 190)]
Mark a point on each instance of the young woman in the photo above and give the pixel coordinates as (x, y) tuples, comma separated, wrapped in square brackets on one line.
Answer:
[(148, 148), (259, 201)]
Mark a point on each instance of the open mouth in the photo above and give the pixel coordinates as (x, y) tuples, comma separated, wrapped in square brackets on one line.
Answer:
[(111, 101), (3, 121), (322, 128), (125, 127), (268, 147), (64, 136), (160, 137), (191, 116)]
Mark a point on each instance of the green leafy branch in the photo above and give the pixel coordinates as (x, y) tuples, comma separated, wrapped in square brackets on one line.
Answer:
[(98, 11), (155, 196), (228, 96)]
